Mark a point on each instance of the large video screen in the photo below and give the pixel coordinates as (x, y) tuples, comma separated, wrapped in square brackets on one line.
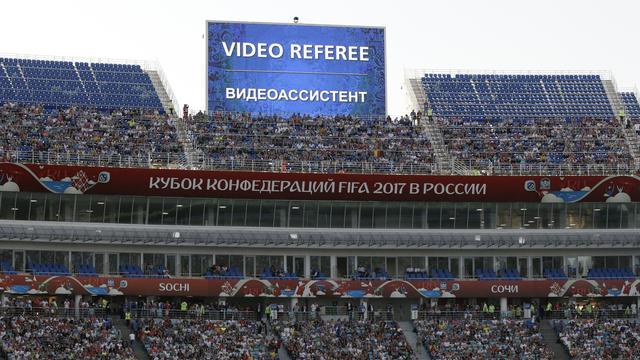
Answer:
[(292, 68)]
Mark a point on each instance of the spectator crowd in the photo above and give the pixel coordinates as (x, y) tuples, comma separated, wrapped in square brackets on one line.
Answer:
[(488, 339), (204, 339), (344, 140), (597, 339), (85, 131), (34, 337), (357, 340), (550, 141)]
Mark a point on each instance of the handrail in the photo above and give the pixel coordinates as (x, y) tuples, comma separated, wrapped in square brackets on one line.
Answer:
[(203, 162)]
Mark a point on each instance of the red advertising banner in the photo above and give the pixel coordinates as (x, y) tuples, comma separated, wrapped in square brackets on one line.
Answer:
[(304, 288), (303, 186)]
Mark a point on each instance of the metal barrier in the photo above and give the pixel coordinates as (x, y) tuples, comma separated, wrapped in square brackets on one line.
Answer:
[(573, 313), (12, 311), (193, 314), (198, 161)]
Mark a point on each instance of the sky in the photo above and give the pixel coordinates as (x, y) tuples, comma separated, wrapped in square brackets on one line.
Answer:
[(543, 35)]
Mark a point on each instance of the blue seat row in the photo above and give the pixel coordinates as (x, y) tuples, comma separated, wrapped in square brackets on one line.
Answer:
[(477, 96), (610, 273), (232, 273), (7, 268), (85, 270), (129, 270), (554, 274), (48, 269), (64, 83)]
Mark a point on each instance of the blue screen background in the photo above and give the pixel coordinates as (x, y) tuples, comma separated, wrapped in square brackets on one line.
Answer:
[(220, 76)]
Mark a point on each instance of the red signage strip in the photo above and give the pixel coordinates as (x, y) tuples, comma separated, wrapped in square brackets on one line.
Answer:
[(252, 287), (302, 186)]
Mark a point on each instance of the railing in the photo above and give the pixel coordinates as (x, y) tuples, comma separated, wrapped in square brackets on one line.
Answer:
[(12, 311), (193, 314), (459, 315), (573, 313), (202, 162)]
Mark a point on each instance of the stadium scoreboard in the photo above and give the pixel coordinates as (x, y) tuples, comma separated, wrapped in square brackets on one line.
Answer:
[(293, 68)]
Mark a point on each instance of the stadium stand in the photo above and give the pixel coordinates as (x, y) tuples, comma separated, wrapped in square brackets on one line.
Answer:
[(594, 141), (56, 84), (32, 130), (488, 339), (205, 339), (36, 337), (300, 140), (630, 103), (492, 96), (316, 339), (599, 338)]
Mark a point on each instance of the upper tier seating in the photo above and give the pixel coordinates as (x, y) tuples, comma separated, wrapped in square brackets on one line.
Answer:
[(631, 106), (55, 84), (481, 97)]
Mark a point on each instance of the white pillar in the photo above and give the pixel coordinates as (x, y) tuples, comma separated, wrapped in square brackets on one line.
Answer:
[(77, 305), (307, 266), (334, 267), (504, 307)]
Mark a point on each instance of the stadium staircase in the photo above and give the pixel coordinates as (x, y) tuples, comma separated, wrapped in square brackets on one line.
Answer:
[(631, 138), (139, 350), (186, 142), (440, 152), (412, 339), (165, 100), (551, 340)]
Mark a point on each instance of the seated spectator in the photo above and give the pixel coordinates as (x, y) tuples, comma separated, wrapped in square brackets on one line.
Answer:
[(600, 338), (317, 339), (490, 339)]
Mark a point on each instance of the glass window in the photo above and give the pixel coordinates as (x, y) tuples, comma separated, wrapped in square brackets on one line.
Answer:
[(324, 214), (253, 213), (311, 214), (37, 206), (52, 212), (267, 212), (126, 210), (7, 205), (239, 212), (281, 214), (338, 215), (156, 212), (99, 263), (296, 214), (23, 203), (111, 208), (196, 215)]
